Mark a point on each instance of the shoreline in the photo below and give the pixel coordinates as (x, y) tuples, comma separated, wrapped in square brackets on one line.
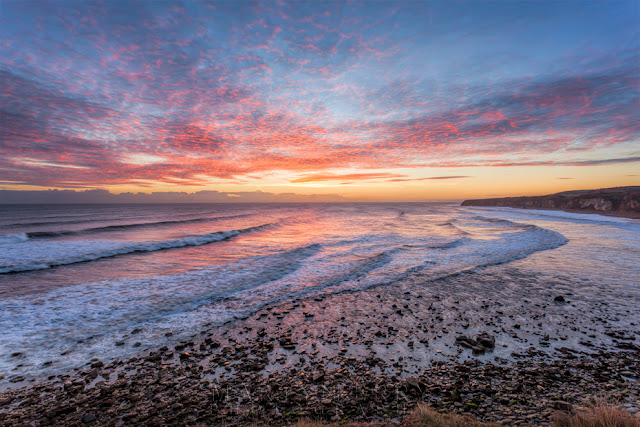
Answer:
[(367, 356), (626, 215), (622, 202)]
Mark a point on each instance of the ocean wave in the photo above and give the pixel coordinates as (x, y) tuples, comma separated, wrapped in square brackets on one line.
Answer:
[(40, 223), (452, 244), (39, 255), (99, 312), (553, 215), (13, 238), (120, 227)]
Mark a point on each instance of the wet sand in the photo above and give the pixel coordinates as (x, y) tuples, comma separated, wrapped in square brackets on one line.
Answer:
[(499, 343)]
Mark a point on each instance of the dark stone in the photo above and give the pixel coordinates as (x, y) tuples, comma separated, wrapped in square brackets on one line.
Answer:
[(562, 405), (88, 418), (559, 298), (128, 417), (466, 341), (486, 340)]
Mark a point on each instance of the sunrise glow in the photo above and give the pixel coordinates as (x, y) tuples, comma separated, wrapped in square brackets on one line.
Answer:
[(367, 101)]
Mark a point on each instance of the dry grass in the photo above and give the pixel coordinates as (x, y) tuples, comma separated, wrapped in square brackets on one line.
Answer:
[(425, 416), (598, 415), (422, 416), (307, 423)]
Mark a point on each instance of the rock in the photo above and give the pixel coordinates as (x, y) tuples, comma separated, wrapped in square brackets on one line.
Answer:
[(119, 343), (468, 342), (286, 343), (559, 298), (317, 377), (415, 384), (562, 405), (486, 340), (465, 341), (128, 417), (88, 418)]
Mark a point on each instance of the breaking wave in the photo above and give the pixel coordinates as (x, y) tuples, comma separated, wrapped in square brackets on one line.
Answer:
[(42, 255)]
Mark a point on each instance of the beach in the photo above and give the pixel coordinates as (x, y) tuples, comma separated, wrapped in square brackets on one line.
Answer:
[(511, 342), (338, 359)]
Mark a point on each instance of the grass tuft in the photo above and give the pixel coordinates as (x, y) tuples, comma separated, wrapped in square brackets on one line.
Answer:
[(598, 415), (425, 416)]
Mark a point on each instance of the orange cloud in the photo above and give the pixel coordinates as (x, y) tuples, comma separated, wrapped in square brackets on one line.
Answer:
[(347, 177), (428, 178)]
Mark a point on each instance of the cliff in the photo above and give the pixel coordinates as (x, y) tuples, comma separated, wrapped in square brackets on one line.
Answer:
[(622, 201)]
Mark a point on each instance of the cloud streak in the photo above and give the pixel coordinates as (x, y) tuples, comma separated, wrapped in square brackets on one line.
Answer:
[(346, 177), (429, 178)]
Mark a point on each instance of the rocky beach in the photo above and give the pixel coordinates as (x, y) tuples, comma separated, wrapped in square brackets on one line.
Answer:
[(498, 343)]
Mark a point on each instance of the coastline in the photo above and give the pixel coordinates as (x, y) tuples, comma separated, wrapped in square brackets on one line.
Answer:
[(621, 202), (626, 214), (367, 356)]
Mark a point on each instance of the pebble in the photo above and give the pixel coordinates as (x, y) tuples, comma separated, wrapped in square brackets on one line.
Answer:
[(88, 418)]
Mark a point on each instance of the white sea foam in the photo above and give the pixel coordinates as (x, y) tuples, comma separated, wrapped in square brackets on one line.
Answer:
[(8, 239), (523, 214), (38, 255)]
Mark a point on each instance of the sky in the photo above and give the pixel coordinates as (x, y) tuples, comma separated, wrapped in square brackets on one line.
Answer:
[(370, 100)]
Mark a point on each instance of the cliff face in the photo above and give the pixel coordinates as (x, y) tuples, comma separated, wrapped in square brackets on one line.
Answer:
[(619, 200)]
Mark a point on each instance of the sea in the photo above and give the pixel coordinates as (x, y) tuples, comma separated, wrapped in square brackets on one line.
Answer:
[(80, 282)]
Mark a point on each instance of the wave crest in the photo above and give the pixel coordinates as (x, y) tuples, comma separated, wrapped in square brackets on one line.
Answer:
[(38, 255), (13, 238)]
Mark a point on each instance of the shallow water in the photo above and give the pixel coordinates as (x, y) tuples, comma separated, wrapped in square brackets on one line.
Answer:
[(77, 279)]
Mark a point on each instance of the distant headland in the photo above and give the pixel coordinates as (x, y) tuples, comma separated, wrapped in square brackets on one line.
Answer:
[(617, 201)]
